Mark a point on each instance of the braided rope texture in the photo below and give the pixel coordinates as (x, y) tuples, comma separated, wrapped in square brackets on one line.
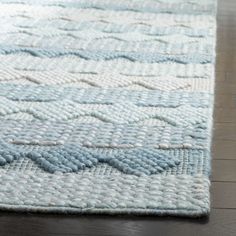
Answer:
[(106, 106)]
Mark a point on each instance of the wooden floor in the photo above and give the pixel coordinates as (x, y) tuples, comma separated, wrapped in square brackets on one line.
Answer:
[(222, 220)]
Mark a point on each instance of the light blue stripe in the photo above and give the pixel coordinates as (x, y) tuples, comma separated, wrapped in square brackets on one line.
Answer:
[(111, 28), (104, 96), (110, 55), (152, 45), (73, 160), (101, 136), (142, 6)]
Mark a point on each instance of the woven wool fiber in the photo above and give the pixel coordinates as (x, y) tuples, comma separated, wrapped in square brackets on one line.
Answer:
[(106, 106)]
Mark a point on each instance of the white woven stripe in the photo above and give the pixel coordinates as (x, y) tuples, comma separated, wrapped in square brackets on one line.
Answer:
[(73, 64), (164, 83), (126, 17)]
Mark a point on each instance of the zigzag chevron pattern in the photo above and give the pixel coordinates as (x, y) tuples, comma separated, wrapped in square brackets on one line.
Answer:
[(108, 55), (38, 13), (74, 64), (74, 158), (97, 80), (123, 112), (93, 35), (59, 18), (162, 83), (184, 156), (41, 134), (113, 28), (169, 45), (106, 106), (154, 6), (153, 98)]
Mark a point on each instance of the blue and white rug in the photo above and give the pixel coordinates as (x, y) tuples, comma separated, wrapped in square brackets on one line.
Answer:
[(106, 106)]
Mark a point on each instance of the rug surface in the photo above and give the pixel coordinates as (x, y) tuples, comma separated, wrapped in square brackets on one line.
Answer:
[(106, 106)]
